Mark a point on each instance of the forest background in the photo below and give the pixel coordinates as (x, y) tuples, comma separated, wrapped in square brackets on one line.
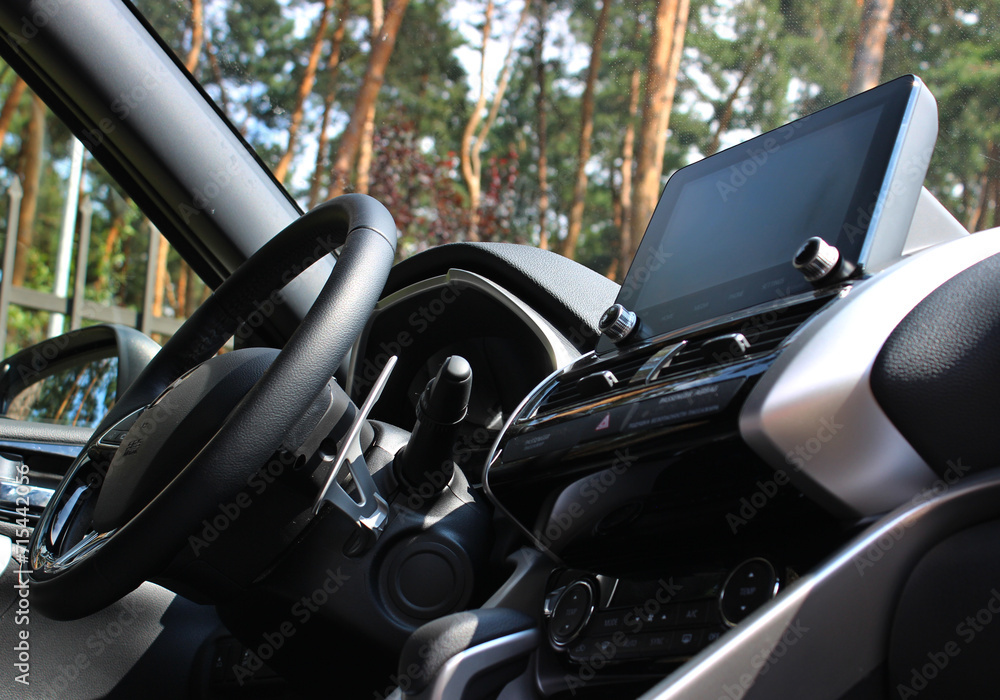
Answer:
[(553, 123)]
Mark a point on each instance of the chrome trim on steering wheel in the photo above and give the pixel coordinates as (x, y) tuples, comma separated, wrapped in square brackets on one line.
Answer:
[(48, 562)]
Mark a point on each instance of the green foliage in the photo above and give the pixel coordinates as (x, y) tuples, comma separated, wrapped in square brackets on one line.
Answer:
[(748, 66)]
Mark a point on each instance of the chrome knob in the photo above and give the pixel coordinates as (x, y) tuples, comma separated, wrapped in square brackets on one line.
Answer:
[(816, 259), (617, 323)]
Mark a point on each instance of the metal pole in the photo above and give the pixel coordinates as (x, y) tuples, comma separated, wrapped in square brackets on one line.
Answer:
[(57, 322), (80, 279), (14, 192)]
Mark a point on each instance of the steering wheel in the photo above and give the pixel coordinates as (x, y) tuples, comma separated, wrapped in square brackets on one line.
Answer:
[(193, 428)]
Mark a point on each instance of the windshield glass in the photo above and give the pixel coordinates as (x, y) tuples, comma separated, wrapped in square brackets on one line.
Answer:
[(556, 122)]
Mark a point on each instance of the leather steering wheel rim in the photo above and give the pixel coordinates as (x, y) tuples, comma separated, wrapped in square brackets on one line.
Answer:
[(124, 558)]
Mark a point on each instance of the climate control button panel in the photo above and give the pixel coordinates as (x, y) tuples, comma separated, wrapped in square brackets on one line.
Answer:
[(635, 620)]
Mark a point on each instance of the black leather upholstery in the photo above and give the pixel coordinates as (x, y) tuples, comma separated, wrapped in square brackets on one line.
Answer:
[(938, 375)]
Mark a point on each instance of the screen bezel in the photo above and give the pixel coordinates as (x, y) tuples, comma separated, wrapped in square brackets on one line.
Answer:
[(894, 98)]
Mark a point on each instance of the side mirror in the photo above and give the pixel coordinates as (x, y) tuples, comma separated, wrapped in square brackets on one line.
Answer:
[(74, 378)]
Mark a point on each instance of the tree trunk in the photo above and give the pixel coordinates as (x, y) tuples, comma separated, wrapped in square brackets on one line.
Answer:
[(31, 175), (303, 92), (370, 86), (102, 283), (981, 219), (661, 83), (866, 68), (616, 218), (10, 106), (994, 202), (586, 131), (364, 172), (471, 174), (162, 279), (332, 68), (191, 300), (213, 63), (475, 154), (197, 35), (726, 113), (368, 133), (505, 74), (977, 217), (183, 277), (628, 159), (541, 110)]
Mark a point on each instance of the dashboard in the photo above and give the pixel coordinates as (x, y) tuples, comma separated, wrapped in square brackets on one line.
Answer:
[(722, 440), (717, 460)]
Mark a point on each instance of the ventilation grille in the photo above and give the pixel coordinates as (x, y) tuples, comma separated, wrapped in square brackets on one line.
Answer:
[(765, 332), (568, 392)]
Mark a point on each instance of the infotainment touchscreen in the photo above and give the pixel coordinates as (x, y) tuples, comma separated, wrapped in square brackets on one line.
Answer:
[(726, 228)]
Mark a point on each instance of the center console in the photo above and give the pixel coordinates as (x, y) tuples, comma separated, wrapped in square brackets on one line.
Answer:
[(630, 467)]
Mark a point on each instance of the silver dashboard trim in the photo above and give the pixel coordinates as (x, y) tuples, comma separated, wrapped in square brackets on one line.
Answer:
[(462, 668), (813, 414), (891, 217), (6, 553), (50, 448), (557, 347), (19, 500), (494, 454)]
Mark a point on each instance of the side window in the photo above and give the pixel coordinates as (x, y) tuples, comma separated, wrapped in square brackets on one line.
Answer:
[(76, 252)]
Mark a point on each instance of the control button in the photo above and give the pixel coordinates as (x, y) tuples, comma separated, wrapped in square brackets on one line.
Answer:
[(601, 425), (750, 585), (687, 642), (683, 406), (585, 649), (580, 649), (617, 323), (638, 618), (666, 617), (712, 635), (816, 259), (629, 648), (114, 436), (693, 613), (657, 643), (571, 613), (608, 622)]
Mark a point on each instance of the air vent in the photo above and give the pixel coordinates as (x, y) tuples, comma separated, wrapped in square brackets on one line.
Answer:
[(569, 392), (764, 331)]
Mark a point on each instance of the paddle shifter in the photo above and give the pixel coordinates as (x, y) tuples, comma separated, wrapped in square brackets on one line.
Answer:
[(426, 460)]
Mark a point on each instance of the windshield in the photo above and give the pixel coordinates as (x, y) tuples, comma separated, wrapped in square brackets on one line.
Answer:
[(556, 123)]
